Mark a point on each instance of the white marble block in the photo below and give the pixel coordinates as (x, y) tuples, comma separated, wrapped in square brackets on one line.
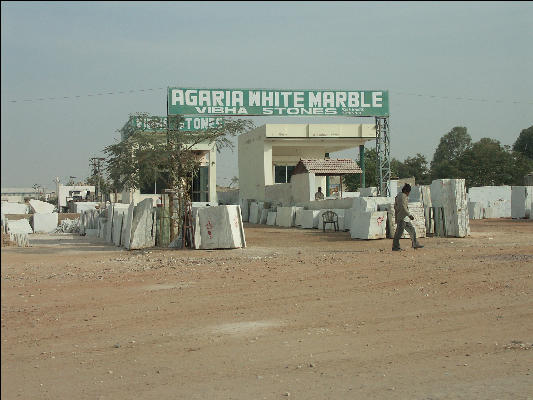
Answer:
[(369, 225), (271, 218), (41, 207), (451, 196), (521, 198), (264, 216), (220, 227), (309, 218), (44, 223), (286, 216), (19, 226)]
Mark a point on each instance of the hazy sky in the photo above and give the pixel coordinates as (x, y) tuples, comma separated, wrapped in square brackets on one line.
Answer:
[(426, 54)]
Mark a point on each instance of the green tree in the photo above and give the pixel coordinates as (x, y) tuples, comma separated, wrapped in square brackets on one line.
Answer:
[(446, 160), (353, 181), (524, 143), (141, 156), (416, 167), (489, 163)]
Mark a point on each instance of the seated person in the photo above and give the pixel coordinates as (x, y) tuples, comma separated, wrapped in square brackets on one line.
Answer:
[(319, 195)]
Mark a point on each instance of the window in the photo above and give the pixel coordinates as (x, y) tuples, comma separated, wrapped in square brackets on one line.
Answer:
[(283, 173), (200, 185)]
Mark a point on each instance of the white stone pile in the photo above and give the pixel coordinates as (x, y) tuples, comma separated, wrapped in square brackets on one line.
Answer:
[(68, 226), (18, 231), (219, 227), (422, 194), (495, 200), (14, 208), (417, 210), (450, 196), (125, 225), (89, 221), (368, 220), (521, 201)]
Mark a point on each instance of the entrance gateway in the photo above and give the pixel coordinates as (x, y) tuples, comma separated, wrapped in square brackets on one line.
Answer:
[(282, 102)]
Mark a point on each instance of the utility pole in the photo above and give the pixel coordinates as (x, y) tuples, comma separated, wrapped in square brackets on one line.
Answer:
[(95, 165)]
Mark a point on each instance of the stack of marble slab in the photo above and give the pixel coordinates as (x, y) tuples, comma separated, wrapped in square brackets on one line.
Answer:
[(521, 201), (368, 220), (365, 204), (14, 208), (44, 223), (451, 196), (422, 194), (416, 209), (219, 227), (19, 226), (255, 212), (496, 200), (271, 218), (89, 222), (114, 214), (476, 210), (140, 226), (286, 216)]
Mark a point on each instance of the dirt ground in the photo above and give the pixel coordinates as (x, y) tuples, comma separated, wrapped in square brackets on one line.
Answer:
[(298, 314)]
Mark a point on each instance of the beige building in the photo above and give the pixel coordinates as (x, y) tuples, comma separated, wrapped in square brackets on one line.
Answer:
[(203, 184), (269, 153)]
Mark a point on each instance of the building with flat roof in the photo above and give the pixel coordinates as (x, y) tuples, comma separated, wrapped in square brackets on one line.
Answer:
[(269, 153), (203, 188)]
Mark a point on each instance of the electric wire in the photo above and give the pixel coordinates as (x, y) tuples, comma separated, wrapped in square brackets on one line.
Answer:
[(111, 93)]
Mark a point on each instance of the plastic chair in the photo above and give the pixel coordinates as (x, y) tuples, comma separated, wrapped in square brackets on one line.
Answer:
[(330, 217)]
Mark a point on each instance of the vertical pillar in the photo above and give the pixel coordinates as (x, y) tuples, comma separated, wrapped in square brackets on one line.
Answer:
[(362, 163), (327, 178)]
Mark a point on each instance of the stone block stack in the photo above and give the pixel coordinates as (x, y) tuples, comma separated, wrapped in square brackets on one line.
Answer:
[(450, 196)]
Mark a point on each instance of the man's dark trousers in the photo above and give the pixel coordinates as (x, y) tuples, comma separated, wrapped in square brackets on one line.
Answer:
[(400, 226)]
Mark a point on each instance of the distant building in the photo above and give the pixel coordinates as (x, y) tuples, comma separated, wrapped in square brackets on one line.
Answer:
[(74, 193), (269, 153), (203, 184), (18, 195)]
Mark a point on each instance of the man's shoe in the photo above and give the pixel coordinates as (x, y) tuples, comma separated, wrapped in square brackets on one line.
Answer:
[(417, 246), (398, 249)]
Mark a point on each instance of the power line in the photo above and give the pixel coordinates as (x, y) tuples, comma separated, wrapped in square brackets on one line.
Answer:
[(103, 93), (111, 93)]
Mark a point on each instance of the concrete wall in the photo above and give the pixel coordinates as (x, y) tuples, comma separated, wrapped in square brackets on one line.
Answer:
[(279, 193), (327, 204), (228, 197), (255, 164)]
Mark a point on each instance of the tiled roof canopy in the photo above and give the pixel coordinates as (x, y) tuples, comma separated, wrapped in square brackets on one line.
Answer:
[(327, 166)]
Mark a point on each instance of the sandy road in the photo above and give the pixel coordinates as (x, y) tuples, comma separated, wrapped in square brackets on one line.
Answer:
[(297, 314)]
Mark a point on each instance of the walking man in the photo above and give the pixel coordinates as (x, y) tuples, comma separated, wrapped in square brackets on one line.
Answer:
[(403, 218)]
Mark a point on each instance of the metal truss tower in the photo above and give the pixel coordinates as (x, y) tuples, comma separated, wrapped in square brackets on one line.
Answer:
[(383, 153)]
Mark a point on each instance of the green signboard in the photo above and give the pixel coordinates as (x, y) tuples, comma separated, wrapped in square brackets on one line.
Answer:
[(345, 103), (189, 124)]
